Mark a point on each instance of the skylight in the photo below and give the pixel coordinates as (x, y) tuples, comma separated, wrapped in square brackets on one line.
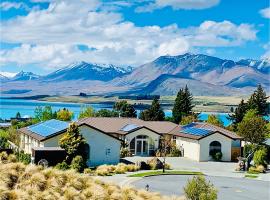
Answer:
[(129, 127)]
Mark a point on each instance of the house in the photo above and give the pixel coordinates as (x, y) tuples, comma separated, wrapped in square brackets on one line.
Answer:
[(142, 137), (101, 147), (104, 138), (196, 140), (199, 139)]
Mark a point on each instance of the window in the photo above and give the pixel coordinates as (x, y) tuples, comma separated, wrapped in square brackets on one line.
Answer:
[(108, 152), (214, 147)]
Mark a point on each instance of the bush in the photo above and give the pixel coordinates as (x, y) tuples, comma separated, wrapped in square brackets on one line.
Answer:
[(199, 189), (62, 166), (12, 158), (260, 157), (248, 148), (143, 165), (155, 164), (107, 170), (78, 163), (124, 152), (174, 152), (3, 157), (87, 171), (23, 157), (216, 155)]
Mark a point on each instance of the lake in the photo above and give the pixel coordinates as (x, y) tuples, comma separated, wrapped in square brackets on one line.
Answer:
[(9, 108)]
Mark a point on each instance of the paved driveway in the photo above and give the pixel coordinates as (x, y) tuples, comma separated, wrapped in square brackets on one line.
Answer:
[(228, 188), (209, 168)]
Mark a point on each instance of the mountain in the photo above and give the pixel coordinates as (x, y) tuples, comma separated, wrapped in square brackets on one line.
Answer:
[(261, 65), (87, 71), (206, 69), (25, 76), (205, 75), (3, 78)]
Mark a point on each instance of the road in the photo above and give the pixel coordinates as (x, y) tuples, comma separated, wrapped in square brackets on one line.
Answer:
[(228, 188)]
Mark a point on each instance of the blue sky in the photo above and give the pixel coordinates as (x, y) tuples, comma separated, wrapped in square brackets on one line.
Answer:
[(44, 35)]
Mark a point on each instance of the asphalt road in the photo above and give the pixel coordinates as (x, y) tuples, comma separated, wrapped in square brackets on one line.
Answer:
[(228, 188)]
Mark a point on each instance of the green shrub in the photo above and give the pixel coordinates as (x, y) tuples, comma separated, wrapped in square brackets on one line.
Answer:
[(124, 152), (248, 148), (23, 157), (174, 152), (199, 189), (260, 157), (62, 166), (218, 156), (78, 163)]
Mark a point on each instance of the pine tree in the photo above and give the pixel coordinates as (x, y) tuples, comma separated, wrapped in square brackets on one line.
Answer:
[(183, 104), (73, 142), (258, 101), (239, 113), (154, 113), (125, 109)]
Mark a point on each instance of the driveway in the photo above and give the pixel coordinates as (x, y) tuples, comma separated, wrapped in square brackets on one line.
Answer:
[(208, 168), (228, 188)]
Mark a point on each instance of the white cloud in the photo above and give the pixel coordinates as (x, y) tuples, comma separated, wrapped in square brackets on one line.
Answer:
[(215, 34), (177, 4), (6, 5), (265, 13), (50, 37)]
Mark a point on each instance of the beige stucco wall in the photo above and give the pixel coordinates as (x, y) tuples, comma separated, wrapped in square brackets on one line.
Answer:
[(99, 143), (191, 148), (154, 136), (226, 144)]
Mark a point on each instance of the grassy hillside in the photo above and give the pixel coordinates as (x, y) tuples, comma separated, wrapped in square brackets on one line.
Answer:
[(19, 181)]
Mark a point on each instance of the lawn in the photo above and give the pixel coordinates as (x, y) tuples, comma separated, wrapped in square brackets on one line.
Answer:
[(251, 176), (159, 172)]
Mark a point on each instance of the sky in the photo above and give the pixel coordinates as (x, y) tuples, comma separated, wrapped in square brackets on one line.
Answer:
[(44, 35)]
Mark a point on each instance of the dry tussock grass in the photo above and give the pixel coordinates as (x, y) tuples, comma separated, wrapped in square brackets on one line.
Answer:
[(33, 182), (105, 170)]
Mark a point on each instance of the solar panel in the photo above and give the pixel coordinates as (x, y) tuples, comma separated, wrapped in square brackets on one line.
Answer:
[(196, 131), (129, 127), (48, 127)]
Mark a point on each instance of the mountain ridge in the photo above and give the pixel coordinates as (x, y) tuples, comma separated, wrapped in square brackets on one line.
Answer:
[(221, 76)]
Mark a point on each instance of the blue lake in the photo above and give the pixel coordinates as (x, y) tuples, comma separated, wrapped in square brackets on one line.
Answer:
[(9, 108)]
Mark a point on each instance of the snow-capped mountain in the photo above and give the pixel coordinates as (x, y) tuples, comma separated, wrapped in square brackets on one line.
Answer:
[(205, 75), (3, 78), (25, 76), (261, 65), (87, 71)]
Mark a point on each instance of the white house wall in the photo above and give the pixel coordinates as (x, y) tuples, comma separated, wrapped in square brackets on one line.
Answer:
[(99, 144), (191, 148), (225, 142)]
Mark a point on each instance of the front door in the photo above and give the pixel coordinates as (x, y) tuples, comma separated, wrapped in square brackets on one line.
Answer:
[(141, 147)]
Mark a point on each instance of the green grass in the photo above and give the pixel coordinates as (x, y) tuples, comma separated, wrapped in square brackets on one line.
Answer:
[(156, 173), (251, 176)]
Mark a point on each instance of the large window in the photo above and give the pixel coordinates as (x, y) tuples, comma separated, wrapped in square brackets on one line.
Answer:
[(214, 147)]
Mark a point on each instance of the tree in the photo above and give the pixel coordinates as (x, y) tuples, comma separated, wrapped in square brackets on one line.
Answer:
[(86, 112), (239, 113), (64, 115), (74, 143), (18, 115), (44, 114), (125, 109), (213, 119), (199, 189), (183, 104), (154, 113), (106, 113), (250, 114), (258, 101), (253, 129), (189, 119)]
